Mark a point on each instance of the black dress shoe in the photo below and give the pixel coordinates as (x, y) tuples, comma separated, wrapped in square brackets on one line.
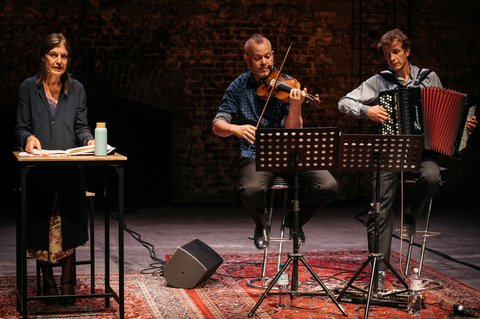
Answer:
[(301, 235), (260, 237)]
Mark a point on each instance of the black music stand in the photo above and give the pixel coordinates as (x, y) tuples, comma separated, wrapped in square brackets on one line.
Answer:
[(293, 150), (379, 153)]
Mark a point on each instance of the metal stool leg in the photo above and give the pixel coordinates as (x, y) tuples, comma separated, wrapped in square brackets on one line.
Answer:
[(282, 229), (268, 224), (409, 254), (425, 233), (424, 242), (278, 184)]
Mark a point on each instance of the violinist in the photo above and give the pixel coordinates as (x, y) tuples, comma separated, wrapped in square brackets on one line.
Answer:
[(240, 113)]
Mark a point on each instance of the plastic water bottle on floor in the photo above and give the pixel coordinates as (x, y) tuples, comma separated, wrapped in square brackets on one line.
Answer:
[(415, 296), (283, 298)]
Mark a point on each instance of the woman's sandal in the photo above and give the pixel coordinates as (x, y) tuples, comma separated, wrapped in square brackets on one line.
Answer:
[(67, 288)]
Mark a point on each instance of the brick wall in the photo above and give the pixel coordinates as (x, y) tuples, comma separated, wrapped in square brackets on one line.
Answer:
[(179, 57)]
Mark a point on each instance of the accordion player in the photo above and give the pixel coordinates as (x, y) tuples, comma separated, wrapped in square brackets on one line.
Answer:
[(441, 115)]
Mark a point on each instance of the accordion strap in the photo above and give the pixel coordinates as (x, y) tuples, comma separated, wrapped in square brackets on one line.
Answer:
[(422, 75), (390, 76)]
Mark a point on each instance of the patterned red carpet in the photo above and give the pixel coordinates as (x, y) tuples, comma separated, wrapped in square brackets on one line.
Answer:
[(227, 294)]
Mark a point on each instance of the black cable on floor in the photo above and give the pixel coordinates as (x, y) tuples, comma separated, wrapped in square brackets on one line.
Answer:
[(157, 267)]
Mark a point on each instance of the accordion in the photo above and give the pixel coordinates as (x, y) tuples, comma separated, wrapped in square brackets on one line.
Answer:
[(440, 115)]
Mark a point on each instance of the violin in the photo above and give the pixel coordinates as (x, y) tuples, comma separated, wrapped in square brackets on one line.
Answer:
[(283, 85)]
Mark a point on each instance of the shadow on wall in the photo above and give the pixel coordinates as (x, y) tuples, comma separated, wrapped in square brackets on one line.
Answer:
[(143, 134), (8, 170)]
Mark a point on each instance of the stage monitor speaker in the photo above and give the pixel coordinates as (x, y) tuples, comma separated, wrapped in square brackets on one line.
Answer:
[(192, 264)]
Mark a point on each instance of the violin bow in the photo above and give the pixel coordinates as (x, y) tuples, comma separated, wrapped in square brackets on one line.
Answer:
[(274, 85)]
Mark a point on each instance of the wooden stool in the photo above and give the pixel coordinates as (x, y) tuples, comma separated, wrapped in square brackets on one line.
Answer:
[(91, 212)]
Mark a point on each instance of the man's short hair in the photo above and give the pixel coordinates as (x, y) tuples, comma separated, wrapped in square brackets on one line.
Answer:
[(255, 38), (393, 35)]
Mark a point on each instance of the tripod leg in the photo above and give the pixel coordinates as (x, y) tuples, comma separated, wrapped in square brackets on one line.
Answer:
[(270, 286), (323, 285), (370, 287), (349, 284), (397, 275)]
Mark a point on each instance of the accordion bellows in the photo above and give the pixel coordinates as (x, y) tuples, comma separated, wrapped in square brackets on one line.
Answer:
[(439, 114)]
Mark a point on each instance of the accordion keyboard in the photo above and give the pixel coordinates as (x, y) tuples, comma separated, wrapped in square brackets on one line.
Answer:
[(386, 100)]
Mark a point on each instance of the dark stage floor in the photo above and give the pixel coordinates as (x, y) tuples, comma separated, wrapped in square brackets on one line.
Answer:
[(226, 229)]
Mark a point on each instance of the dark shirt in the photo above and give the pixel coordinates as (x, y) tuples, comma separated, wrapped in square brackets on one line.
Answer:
[(60, 127), (64, 128), (241, 105)]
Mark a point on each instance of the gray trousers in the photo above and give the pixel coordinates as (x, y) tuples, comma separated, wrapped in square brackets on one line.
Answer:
[(316, 189), (426, 187)]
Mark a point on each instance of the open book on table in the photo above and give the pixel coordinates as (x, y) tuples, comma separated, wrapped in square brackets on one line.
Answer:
[(82, 150)]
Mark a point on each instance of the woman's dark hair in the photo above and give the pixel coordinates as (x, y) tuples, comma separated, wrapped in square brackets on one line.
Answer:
[(48, 43)]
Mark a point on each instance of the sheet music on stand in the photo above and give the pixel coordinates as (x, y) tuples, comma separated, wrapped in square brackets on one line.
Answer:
[(316, 149), (397, 152)]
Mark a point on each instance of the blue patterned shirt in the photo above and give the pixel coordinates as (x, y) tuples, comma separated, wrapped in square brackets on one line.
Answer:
[(241, 105)]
